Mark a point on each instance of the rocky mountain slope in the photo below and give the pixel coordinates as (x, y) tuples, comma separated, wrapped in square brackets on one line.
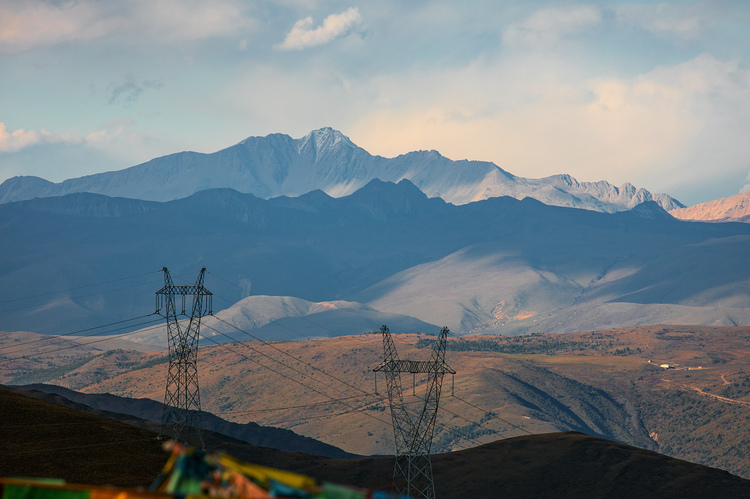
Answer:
[(325, 159), (729, 209)]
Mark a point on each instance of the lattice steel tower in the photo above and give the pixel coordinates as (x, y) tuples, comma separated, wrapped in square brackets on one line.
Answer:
[(182, 402), (412, 474)]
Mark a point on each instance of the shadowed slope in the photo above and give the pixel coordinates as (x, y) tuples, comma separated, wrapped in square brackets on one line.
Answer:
[(557, 465), (498, 265)]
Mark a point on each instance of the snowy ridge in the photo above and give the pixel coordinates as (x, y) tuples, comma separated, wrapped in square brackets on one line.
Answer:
[(289, 318), (325, 159), (729, 209)]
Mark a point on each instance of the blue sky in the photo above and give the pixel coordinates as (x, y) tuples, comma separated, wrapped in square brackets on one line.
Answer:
[(652, 93)]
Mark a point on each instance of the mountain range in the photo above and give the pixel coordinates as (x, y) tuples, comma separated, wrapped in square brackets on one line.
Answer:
[(325, 159), (497, 265)]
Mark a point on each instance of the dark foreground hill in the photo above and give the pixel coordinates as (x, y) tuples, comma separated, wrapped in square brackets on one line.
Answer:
[(41, 439), (144, 412)]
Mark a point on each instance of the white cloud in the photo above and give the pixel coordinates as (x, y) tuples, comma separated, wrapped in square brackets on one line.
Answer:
[(683, 21), (20, 139), (57, 157), (118, 131), (112, 131), (27, 24), (549, 25), (303, 35)]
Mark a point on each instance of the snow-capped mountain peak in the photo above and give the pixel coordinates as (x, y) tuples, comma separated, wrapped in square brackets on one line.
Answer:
[(325, 159), (323, 139)]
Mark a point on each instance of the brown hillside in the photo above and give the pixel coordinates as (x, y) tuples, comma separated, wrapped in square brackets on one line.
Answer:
[(606, 383), (46, 440)]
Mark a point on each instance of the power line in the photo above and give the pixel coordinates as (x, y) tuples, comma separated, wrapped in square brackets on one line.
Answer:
[(442, 426), (302, 406), (283, 364), (78, 345), (86, 296), (74, 332), (78, 287), (365, 393), (305, 363), (498, 417), (43, 424), (333, 400), (308, 418), (320, 370), (58, 449), (274, 321), (271, 345), (224, 345), (250, 335)]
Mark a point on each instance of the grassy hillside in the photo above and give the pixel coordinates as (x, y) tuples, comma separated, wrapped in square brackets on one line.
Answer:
[(606, 383)]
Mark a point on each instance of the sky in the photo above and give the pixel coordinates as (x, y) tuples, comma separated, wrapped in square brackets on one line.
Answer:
[(652, 93)]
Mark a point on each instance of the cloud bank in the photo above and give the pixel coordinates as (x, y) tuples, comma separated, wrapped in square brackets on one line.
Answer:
[(661, 128), (20, 139), (656, 94), (28, 24)]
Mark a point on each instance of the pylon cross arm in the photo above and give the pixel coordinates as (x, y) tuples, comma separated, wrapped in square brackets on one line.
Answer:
[(414, 366), (184, 290)]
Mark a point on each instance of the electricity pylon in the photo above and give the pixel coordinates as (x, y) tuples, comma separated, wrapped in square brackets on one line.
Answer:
[(182, 402), (412, 473)]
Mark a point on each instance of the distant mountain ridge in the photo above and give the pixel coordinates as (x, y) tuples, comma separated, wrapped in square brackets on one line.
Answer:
[(325, 159), (729, 209), (498, 265)]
